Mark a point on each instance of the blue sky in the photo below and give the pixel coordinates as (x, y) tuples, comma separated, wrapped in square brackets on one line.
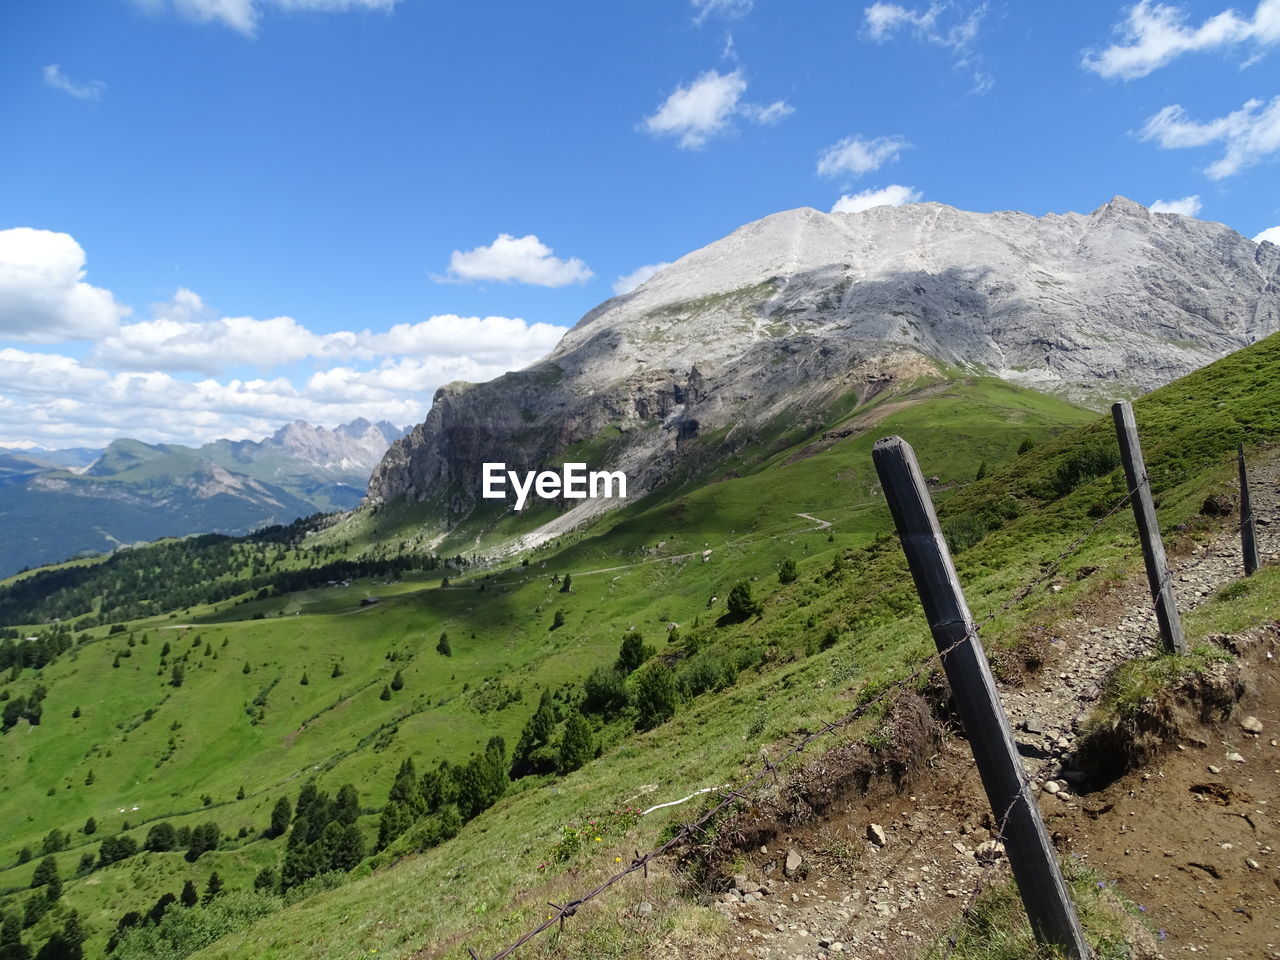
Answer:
[(218, 215)]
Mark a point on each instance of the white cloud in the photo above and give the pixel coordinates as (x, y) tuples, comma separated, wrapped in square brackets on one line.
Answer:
[(768, 115), (512, 259), (43, 296), (1250, 134), (706, 108), (894, 195), (856, 156), (89, 90), (934, 26), (1155, 34), (135, 380), (1187, 206), (56, 400), (729, 9), (243, 15), (1269, 235), (628, 282)]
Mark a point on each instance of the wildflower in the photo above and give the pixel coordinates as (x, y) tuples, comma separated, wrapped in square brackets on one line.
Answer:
[(617, 859), (597, 839), (1163, 934), (1142, 908), (1101, 884)]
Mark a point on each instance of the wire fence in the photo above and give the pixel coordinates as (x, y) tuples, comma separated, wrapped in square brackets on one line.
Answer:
[(730, 796)]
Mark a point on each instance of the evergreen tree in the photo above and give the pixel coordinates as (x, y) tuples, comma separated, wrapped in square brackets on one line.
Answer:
[(741, 604), (266, 881), (161, 907), (46, 870), (306, 796), (212, 888), (787, 571), (982, 470), (565, 587), (304, 681), (557, 621), (24, 855), (346, 808), (385, 694), (443, 648), (177, 676), (54, 841), (336, 672), (33, 910), (397, 682), (535, 736), (189, 896), (575, 744), (86, 864), (11, 945), (654, 695), (161, 837), (204, 838), (281, 814), (632, 653), (604, 692)]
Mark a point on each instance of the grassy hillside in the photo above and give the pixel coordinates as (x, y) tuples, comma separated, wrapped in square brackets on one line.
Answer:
[(849, 619)]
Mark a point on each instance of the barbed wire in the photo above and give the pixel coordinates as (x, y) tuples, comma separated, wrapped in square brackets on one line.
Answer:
[(562, 912)]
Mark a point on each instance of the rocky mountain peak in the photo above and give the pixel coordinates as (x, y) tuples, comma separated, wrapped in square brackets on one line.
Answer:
[(788, 311)]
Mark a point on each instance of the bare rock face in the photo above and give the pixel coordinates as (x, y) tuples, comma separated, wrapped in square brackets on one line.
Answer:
[(788, 312)]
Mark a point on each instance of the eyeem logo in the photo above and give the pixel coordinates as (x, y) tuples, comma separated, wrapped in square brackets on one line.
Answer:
[(574, 482)]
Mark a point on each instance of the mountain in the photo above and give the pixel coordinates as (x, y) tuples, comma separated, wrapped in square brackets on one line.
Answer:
[(765, 329), (139, 491)]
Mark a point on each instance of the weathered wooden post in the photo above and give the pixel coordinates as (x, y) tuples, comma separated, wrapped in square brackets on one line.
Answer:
[(1248, 532), (1144, 511), (1035, 867)]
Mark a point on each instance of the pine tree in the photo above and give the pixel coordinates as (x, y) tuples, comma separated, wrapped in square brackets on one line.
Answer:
[(741, 604), (240, 792), (982, 470), (576, 747), (557, 621), (632, 653), (346, 807), (397, 682), (565, 587), (304, 681), (443, 648), (90, 827), (11, 945), (46, 870), (654, 695), (266, 881), (787, 572), (385, 694), (212, 888), (535, 736), (336, 672), (189, 896), (177, 676), (281, 814), (161, 837)]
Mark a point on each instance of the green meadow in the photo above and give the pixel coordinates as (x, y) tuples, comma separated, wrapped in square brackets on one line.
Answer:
[(243, 729)]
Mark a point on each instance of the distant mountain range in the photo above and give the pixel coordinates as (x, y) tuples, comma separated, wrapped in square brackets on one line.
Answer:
[(56, 504)]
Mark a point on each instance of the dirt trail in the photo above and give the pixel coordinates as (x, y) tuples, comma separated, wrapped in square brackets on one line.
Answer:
[(1190, 838)]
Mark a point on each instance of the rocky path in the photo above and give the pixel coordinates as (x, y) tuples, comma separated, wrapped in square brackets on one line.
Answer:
[(885, 880)]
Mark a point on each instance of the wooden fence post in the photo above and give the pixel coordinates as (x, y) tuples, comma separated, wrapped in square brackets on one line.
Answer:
[(1248, 532), (1035, 866), (1144, 511)]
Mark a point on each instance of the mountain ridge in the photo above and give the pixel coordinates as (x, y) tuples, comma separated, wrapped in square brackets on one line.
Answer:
[(790, 312), (139, 491)]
